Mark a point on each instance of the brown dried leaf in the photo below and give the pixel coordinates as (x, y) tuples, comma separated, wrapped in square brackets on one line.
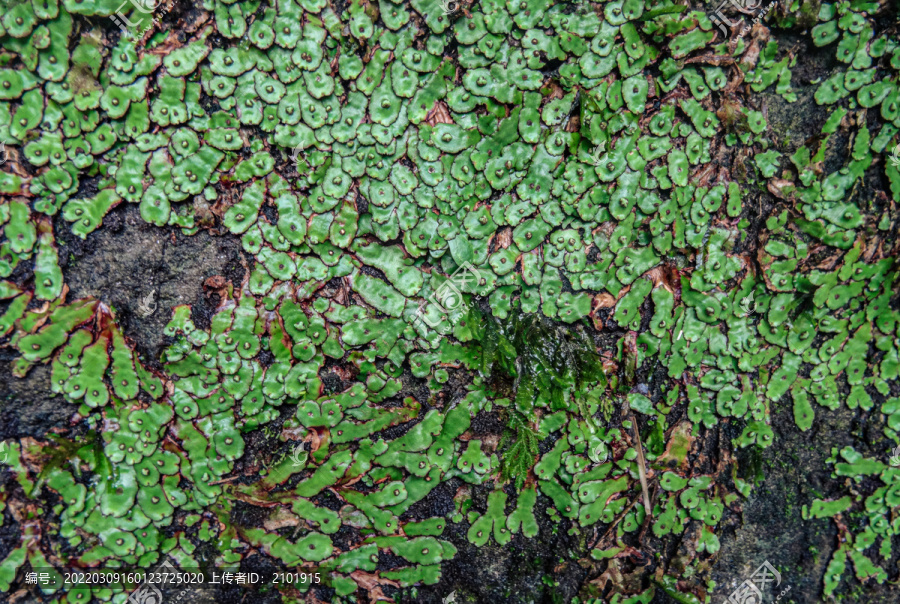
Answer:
[(280, 518), (717, 60), (372, 583), (703, 175), (504, 237), (604, 300), (439, 114), (215, 282), (612, 574), (781, 188), (751, 55), (667, 276), (19, 596), (601, 301), (678, 447), (556, 91), (247, 498)]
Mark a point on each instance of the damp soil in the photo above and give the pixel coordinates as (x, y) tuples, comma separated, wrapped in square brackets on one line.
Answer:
[(140, 271)]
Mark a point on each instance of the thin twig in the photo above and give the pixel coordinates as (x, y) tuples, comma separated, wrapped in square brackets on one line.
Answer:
[(642, 466), (614, 524), (647, 517), (224, 480)]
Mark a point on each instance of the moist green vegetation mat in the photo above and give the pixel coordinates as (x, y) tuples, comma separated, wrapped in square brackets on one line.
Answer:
[(573, 221)]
